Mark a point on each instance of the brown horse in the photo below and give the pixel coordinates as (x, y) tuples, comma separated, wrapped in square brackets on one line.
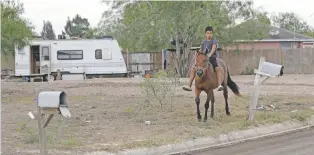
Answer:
[(205, 80)]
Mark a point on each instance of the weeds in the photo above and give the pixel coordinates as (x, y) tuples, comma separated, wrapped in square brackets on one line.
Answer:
[(29, 135), (160, 88), (247, 71), (71, 141)]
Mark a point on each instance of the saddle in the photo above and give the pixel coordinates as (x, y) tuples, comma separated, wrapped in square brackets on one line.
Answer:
[(209, 64)]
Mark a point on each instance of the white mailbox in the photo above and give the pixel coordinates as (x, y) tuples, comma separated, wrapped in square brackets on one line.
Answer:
[(54, 100), (272, 69), (265, 71)]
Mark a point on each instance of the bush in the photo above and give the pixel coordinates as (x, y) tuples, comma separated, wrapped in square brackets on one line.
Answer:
[(161, 88)]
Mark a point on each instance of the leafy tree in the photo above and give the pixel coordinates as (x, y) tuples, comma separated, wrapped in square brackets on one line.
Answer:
[(292, 22), (93, 33), (15, 31), (146, 25), (77, 27), (262, 17), (47, 31)]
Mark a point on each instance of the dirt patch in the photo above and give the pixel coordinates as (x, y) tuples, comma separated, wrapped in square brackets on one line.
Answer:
[(111, 116)]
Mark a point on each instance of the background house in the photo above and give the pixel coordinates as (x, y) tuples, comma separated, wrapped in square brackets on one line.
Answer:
[(276, 38)]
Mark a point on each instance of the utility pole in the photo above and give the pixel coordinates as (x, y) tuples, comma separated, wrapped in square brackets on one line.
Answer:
[(311, 16), (294, 28)]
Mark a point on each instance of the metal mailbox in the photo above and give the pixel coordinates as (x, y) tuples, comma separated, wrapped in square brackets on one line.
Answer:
[(54, 100), (272, 69), (265, 71), (48, 104)]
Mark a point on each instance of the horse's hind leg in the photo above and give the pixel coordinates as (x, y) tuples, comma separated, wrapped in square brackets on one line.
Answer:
[(197, 101), (225, 92)]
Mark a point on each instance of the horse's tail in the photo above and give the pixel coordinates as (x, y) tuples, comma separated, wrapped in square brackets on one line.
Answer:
[(232, 85)]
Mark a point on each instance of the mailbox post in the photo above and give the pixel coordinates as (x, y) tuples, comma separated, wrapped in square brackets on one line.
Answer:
[(265, 71), (48, 104)]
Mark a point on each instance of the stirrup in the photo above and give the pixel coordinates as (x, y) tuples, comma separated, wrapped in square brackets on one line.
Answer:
[(220, 88), (187, 88)]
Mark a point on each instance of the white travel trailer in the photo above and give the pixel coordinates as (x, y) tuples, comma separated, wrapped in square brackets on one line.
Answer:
[(90, 57)]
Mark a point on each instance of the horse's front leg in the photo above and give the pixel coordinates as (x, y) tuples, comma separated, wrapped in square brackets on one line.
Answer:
[(212, 100), (197, 101), (206, 106)]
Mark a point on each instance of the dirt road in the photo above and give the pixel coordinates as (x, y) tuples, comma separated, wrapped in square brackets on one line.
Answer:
[(298, 143)]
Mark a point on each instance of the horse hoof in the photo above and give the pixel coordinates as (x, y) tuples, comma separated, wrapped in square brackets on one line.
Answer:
[(199, 118), (228, 114), (205, 120)]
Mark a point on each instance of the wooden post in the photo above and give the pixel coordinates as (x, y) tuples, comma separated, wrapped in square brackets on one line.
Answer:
[(48, 120), (42, 133), (154, 61), (282, 56), (162, 59), (255, 92), (127, 59), (58, 77)]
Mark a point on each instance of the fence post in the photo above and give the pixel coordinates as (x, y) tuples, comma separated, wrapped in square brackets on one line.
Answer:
[(282, 56)]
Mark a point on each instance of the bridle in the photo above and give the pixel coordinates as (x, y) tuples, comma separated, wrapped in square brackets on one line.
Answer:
[(200, 71)]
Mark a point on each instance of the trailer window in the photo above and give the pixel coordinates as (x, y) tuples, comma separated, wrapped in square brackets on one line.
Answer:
[(98, 54), (45, 53), (70, 55)]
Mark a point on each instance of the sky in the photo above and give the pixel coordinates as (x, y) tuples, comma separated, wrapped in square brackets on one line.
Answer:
[(57, 11)]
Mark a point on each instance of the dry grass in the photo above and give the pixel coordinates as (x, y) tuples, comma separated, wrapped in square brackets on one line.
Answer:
[(109, 119), (19, 99), (166, 127), (186, 126), (181, 124)]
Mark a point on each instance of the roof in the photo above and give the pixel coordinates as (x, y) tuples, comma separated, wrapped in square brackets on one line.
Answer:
[(38, 42), (273, 33), (280, 33), (276, 40), (64, 40)]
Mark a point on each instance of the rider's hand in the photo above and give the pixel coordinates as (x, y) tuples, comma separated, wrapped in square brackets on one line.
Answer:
[(200, 51)]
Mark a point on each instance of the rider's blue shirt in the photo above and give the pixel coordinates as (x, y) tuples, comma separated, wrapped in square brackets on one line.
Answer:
[(208, 44)]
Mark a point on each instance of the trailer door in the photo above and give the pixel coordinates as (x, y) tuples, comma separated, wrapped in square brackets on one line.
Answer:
[(22, 61), (45, 57)]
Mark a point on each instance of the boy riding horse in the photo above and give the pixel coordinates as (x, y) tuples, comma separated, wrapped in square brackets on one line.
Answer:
[(209, 47)]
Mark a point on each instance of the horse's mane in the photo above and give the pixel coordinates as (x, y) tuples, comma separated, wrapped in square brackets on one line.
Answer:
[(199, 54)]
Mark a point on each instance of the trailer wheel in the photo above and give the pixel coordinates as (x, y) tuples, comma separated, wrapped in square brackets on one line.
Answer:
[(52, 78), (45, 77)]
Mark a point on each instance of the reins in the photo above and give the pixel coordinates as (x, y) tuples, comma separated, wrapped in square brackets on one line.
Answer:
[(197, 67)]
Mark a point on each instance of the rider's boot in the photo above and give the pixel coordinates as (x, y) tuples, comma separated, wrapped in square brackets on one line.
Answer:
[(188, 87), (219, 88)]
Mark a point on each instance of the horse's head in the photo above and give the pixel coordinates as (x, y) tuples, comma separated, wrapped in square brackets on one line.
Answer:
[(201, 64)]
